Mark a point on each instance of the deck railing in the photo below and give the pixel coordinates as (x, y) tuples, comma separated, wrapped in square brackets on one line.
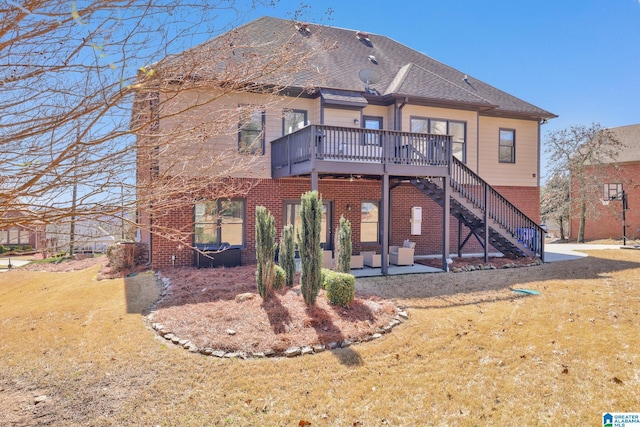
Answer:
[(486, 198), (321, 142)]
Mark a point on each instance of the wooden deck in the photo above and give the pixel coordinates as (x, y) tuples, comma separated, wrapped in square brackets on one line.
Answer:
[(341, 150)]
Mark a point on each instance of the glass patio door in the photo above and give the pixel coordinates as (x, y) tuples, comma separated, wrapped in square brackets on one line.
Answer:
[(292, 216)]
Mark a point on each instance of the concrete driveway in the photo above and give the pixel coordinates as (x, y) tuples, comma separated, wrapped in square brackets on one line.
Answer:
[(4, 263), (569, 251)]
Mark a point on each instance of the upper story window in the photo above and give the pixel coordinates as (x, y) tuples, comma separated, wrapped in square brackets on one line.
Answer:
[(457, 130), (372, 122), (251, 130), (292, 120), (219, 222), (507, 146)]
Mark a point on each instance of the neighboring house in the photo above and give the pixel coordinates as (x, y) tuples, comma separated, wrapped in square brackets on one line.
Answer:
[(605, 220), (89, 235), (403, 146), (21, 232)]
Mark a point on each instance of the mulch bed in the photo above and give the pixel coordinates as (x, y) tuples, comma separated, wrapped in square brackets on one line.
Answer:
[(201, 306)]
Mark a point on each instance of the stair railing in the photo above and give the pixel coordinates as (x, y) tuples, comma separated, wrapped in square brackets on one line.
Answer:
[(486, 198)]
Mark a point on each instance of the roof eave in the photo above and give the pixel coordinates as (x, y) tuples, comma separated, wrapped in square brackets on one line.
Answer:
[(437, 102)]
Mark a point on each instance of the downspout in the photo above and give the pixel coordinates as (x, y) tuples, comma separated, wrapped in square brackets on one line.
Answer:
[(539, 151), (478, 143), (397, 125)]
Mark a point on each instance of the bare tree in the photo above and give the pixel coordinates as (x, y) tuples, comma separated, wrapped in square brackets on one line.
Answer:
[(583, 152), (69, 78), (555, 201)]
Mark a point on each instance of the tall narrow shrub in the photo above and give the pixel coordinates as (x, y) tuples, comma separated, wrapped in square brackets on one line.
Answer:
[(288, 254), (343, 246), (309, 246), (265, 250)]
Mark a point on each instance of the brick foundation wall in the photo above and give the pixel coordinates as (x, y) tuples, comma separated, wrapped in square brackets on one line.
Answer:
[(345, 197)]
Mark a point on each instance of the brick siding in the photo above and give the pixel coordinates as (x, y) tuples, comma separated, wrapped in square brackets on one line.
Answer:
[(345, 197), (605, 222)]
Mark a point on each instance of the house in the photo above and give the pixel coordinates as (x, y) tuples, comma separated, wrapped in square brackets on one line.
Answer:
[(606, 219), (21, 232), (89, 235), (403, 146)]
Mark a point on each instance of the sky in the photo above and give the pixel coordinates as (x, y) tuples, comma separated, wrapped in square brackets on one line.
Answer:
[(577, 59)]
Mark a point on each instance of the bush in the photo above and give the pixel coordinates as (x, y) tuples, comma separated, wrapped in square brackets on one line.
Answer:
[(265, 250), (123, 256), (279, 277), (323, 274), (343, 246), (309, 246), (3, 249), (288, 253), (341, 288)]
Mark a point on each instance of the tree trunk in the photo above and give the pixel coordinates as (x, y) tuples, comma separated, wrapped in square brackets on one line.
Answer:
[(583, 215)]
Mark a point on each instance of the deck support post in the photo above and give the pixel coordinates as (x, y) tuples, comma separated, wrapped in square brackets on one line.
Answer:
[(384, 229), (446, 222)]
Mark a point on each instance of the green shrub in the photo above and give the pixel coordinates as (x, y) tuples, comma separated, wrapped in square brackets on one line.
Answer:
[(287, 254), (309, 246), (265, 251), (27, 248), (341, 288), (343, 246), (3, 249), (279, 277), (323, 274)]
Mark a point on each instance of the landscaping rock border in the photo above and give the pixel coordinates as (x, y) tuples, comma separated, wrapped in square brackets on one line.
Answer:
[(489, 266), (165, 284)]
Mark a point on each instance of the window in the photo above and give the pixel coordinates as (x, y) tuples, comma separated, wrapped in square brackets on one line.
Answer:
[(369, 222), (24, 237), (251, 131), (219, 221), (457, 130), (292, 120), (4, 237), (13, 236), (371, 122), (507, 148)]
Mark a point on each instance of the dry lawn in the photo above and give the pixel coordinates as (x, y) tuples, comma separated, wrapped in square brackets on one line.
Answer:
[(472, 353)]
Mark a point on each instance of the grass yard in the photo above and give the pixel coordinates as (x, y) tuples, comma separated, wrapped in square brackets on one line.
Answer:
[(472, 353)]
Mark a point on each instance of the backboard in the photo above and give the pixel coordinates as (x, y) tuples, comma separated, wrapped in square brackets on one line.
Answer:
[(612, 191)]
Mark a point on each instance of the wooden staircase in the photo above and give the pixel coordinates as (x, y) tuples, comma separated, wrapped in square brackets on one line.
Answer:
[(486, 213)]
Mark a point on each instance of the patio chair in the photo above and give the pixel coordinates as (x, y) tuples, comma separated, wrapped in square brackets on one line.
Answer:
[(372, 259), (402, 255)]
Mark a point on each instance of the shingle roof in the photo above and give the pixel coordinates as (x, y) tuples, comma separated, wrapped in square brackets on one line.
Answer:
[(403, 72), (630, 137)]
